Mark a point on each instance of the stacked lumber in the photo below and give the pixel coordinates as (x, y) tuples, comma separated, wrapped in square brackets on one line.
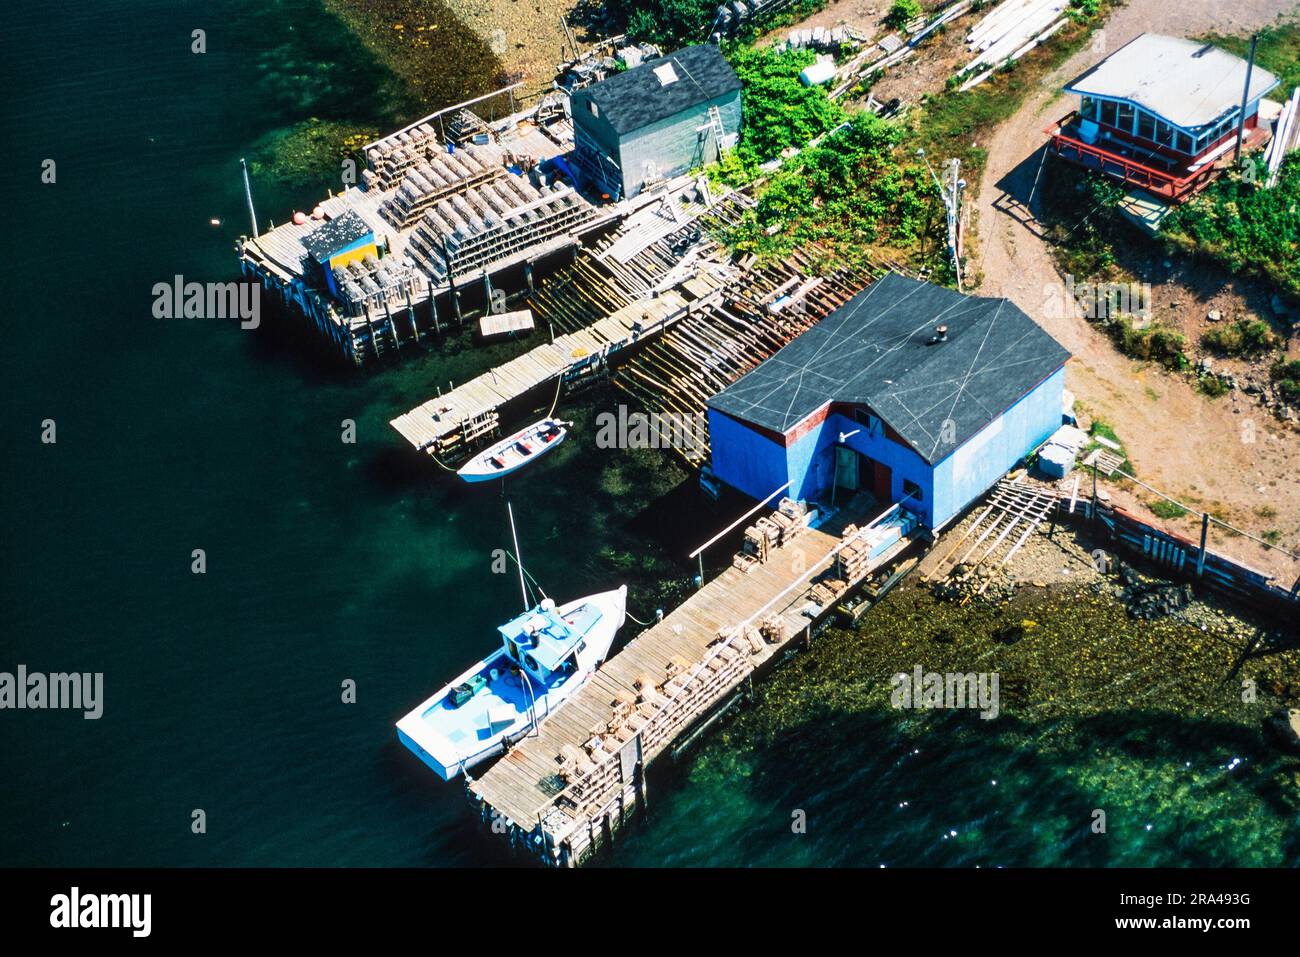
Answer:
[(391, 156), (1286, 137), (1013, 29), (437, 176), (771, 531)]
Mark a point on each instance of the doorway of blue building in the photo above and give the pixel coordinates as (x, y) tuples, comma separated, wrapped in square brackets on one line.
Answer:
[(855, 472)]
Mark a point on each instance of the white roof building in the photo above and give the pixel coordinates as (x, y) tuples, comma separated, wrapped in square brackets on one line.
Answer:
[(1189, 84)]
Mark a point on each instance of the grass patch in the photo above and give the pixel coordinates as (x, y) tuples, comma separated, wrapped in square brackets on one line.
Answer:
[(951, 125), (1212, 386), (1248, 229), (853, 192), (1101, 429), (1278, 52), (1163, 508), (1241, 338), (1154, 342)]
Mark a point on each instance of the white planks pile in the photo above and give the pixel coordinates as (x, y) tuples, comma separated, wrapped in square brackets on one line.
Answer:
[(1286, 137), (1013, 29), (824, 39)]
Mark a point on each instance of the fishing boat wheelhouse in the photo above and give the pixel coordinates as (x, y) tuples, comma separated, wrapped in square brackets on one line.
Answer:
[(1161, 113)]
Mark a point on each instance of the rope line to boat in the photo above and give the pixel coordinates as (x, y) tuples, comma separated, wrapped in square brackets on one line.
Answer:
[(440, 464), (527, 573), (559, 382), (533, 581)]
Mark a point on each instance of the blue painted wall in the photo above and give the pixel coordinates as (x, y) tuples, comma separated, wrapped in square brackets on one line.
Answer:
[(757, 465), (985, 457), (744, 459)]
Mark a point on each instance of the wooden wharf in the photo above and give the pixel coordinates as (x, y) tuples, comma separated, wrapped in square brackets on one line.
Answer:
[(601, 307), (560, 794)]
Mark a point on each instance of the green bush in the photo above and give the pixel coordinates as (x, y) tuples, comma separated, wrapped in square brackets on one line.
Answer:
[(1212, 386), (669, 23), (780, 111), (1243, 337), (1155, 342), (1249, 229), (1287, 376), (902, 12)]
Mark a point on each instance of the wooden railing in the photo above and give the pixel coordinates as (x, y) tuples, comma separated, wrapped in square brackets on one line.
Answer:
[(1172, 187)]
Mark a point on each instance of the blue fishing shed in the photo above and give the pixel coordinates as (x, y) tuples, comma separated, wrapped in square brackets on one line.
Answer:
[(914, 393)]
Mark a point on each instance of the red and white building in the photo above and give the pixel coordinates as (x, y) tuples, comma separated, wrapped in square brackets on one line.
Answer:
[(1161, 114)]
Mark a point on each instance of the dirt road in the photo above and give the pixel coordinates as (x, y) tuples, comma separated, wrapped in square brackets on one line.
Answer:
[(1226, 455)]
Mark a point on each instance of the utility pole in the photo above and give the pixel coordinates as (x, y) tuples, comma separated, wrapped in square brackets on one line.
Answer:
[(951, 191), (1245, 97)]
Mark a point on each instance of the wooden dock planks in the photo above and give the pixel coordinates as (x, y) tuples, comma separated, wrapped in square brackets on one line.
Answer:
[(521, 786), (434, 425)]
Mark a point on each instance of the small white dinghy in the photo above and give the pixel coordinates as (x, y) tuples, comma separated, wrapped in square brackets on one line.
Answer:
[(513, 453)]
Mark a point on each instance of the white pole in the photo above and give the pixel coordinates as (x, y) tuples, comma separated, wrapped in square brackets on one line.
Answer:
[(248, 194), (519, 559)]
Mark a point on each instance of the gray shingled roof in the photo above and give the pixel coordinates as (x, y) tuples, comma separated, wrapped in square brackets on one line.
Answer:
[(1190, 84), (334, 234), (635, 98), (875, 350)]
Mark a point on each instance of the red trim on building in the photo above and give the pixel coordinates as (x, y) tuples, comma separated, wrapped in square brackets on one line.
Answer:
[(1175, 184), (800, 429)]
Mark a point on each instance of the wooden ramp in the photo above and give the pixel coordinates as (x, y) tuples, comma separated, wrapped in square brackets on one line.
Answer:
[(1014, 510), (554, 791)]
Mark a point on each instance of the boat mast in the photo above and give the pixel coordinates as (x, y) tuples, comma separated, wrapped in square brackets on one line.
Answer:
[(519, 560)]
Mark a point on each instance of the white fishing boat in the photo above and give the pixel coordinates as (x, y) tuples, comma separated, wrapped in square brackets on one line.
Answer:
[(546, 654), (513, 453)]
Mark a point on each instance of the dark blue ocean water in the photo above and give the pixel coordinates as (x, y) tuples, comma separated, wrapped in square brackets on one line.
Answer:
[(327, 561)]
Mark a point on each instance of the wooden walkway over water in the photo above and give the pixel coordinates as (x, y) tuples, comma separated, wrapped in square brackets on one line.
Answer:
[(448, 422), (563, 792)]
